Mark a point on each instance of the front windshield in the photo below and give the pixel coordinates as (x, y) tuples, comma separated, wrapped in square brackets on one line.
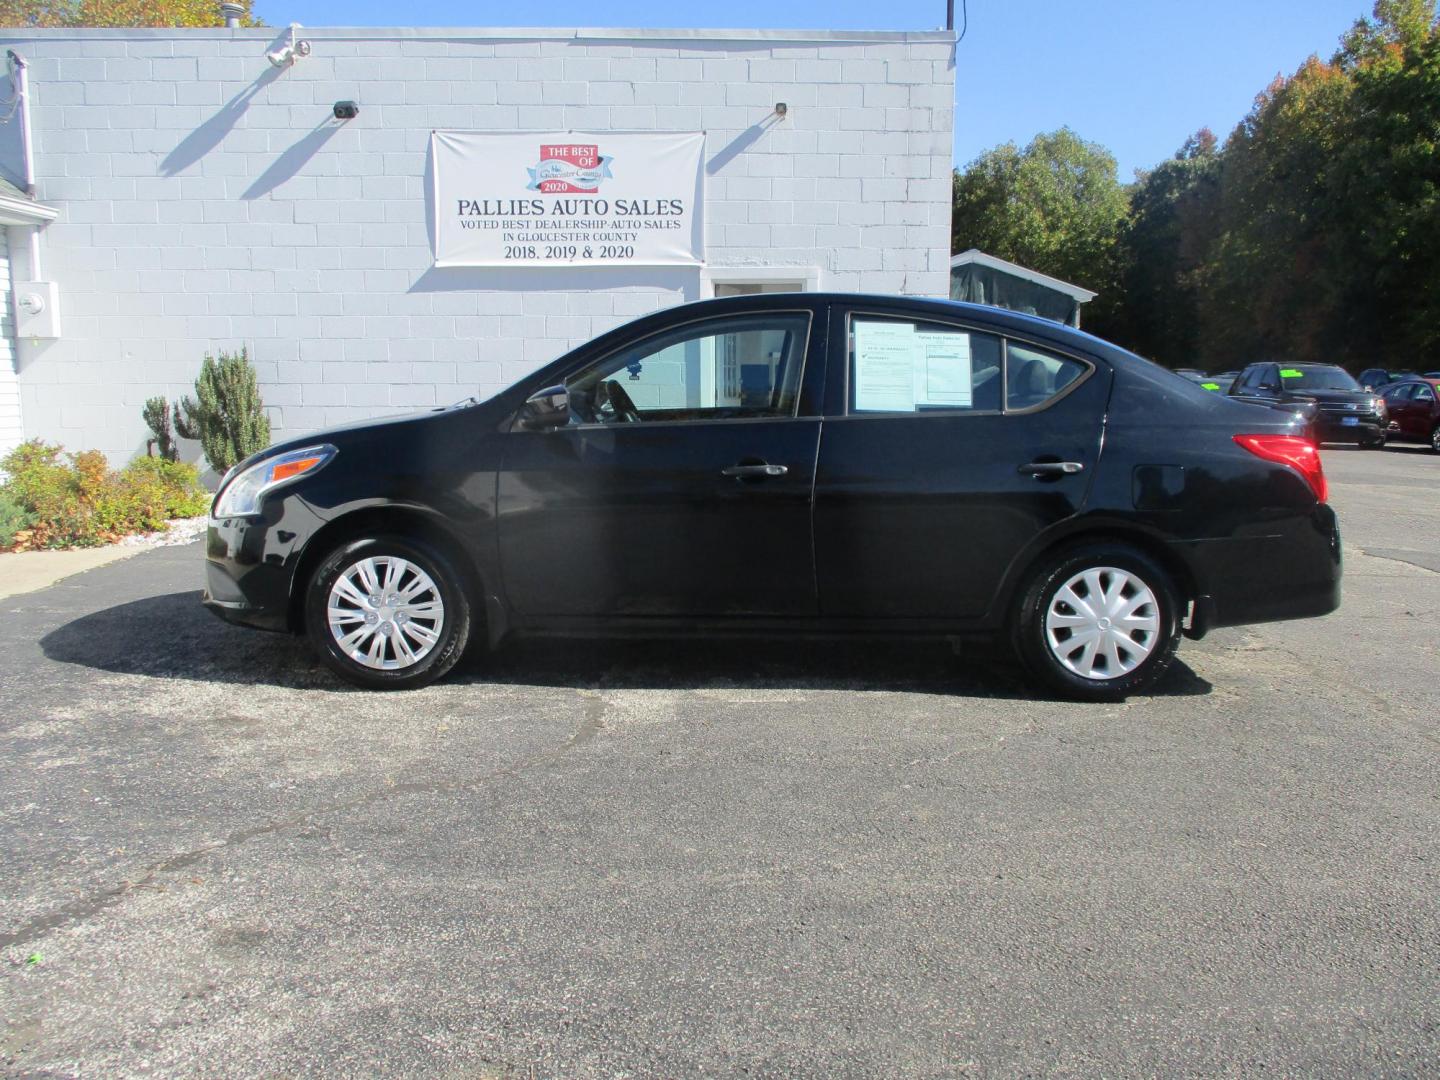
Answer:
[(1317, 377)]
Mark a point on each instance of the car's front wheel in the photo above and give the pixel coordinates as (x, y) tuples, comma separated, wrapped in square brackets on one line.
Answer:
[(1099, 622), (387, 613)]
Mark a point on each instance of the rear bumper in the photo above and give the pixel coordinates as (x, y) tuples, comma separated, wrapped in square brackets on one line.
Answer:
[(1291, 573)]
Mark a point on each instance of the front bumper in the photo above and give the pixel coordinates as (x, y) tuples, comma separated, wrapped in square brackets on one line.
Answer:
[(1348, 427), (249, 570)]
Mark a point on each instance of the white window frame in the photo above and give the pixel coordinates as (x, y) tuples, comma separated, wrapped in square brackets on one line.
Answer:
[(809, 277)]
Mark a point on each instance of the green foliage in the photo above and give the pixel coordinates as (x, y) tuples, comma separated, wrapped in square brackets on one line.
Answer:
[(77, 500), (157, 415), (51, 13), (1330, 205), (1312, 234), (226, 415), (14, 519), (1056, 206), (1166, 246)]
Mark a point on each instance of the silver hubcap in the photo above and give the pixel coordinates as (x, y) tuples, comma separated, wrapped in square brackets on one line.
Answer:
[(385, 613), (1103, 623)]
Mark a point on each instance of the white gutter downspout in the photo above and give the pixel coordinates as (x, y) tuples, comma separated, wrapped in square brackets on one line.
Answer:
[(22, 91)]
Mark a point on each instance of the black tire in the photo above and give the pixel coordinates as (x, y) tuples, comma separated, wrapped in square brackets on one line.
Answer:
[(451, 628), (1032, 638), (1377, 443), (1435, 439)]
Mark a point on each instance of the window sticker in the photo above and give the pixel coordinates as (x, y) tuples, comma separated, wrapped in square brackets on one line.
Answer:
[(1210, 386), (901, 369), (1291, 373)]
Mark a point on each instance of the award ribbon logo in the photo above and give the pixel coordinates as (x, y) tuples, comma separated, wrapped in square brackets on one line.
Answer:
[(569, 169)]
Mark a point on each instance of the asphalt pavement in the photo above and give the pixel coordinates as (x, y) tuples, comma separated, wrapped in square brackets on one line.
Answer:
[(762, 859)]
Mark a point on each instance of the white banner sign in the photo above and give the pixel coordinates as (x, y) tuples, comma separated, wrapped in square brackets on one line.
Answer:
[(568, 199)]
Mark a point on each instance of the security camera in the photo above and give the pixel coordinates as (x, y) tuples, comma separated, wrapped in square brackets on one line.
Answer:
[(284, 55)]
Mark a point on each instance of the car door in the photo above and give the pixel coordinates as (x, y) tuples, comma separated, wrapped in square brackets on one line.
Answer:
[(682, 484), (1397, 406), (949, 449), (1420, 411)]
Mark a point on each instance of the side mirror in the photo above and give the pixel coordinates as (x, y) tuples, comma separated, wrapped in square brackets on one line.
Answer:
[(545, 409)]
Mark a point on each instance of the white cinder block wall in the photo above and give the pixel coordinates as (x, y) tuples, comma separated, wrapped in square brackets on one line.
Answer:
[(208, 201)]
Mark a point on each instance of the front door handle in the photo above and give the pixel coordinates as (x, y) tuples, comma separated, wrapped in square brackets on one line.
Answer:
[(742, 472), (1052, 468)]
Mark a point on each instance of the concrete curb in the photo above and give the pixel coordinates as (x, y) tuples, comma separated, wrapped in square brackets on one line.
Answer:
[(30, 571)]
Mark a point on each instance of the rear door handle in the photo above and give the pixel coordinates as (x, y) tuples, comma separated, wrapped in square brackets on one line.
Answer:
[(1053, 468), (743, 471)]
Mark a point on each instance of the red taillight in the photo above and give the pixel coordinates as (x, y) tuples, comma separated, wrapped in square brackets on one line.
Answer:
[(1302, 455)]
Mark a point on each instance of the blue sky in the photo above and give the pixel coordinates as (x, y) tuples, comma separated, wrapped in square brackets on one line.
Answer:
[(1136, 76)]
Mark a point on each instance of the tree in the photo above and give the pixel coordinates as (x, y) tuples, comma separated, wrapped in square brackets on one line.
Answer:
[(49, 13), (1388, 174), (1331, 204), (1276, 284), (1166, 247), (226, 414), (1057, 207), (1405, 24)]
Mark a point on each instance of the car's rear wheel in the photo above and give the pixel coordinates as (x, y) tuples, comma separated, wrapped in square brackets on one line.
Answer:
[(387, 613), (1435, 439), (1376, 442), (1099, 622)]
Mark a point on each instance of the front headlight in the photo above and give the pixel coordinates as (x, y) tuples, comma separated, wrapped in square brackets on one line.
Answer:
[(240, 494)]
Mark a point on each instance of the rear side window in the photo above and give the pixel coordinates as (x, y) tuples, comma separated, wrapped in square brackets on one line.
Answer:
[(1397, 393), (902, 366), (1034, 377), (1423, 393)]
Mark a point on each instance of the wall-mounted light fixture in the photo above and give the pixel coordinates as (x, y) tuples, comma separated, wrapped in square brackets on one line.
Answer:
[(781, 109), (286, 53), (346, 110)]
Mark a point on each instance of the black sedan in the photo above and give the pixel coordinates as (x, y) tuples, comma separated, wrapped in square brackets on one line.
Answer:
[(803, 464), (1340, 408)]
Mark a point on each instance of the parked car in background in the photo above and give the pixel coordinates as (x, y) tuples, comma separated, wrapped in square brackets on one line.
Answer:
[(1413, 407), (1378, 378), (792, 464), (1342, 410), (1216, 384)]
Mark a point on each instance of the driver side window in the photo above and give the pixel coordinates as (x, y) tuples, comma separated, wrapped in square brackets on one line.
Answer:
[(739, 367)]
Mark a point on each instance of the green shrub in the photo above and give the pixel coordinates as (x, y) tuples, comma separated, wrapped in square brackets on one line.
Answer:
[(77, 500), (158, 417), (226, 414), (173, 485), (14, 518)]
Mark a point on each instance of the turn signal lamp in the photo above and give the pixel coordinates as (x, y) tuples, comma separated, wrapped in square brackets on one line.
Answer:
[(240, 493), (1300, 454)]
